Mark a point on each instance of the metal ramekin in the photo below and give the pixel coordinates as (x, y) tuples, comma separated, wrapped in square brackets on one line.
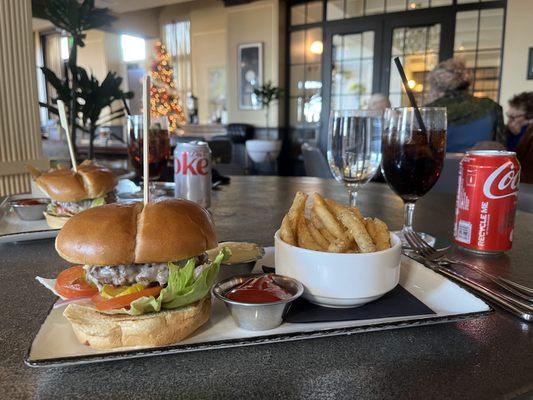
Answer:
[(31, 212), (258, 316)]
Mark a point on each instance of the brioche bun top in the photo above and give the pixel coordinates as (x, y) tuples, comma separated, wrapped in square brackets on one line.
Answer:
[(114, 234), (62, 184)]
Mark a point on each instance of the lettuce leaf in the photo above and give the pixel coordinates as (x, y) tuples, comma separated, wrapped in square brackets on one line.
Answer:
[(100, 201), (182, 288)]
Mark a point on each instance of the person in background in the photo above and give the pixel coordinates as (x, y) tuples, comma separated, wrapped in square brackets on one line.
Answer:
[(520, 132), (378, 102), (472, 122)]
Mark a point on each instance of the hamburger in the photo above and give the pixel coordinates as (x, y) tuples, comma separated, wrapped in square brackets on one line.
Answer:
[(72, 192), (143, 277)]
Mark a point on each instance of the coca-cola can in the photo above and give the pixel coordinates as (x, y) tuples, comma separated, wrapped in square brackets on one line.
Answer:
[(486, 201), (192, 172)]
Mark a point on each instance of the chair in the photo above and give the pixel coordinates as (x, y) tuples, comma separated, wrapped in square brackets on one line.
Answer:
[(449, 176), (240, 133), (315, 163), (463, 137), (221, 150), (525, 197)]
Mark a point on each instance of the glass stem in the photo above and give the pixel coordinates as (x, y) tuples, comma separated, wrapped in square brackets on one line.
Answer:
[(352, 193), (409, 210)]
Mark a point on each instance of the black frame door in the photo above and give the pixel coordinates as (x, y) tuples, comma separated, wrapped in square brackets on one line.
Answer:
[(446, 19), (345, 27), (383, 26)]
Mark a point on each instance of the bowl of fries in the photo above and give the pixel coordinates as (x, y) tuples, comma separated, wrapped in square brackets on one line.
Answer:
[(342, 258)]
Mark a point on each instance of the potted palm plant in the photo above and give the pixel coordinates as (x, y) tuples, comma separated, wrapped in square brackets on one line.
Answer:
[(85, 96)]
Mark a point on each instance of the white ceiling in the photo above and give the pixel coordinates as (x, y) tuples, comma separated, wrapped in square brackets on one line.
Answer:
[(116, 6)]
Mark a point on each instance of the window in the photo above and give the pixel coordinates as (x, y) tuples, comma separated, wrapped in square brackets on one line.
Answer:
[(306, 13), (478, 42), (177, 39), (305, 90), (353, 67), (418, 50), (340, 9), (133, 48)]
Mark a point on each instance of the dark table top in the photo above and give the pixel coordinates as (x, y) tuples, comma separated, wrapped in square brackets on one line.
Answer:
[(486, 358)]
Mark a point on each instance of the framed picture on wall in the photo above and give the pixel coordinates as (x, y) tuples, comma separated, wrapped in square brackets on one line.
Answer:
[(250, 74), (530, 64)]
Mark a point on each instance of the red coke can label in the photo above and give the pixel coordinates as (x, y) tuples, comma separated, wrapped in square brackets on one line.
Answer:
[(192, 172), (486, 201)]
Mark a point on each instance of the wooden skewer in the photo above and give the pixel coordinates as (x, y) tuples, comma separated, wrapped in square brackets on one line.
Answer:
[(146, 132), (64, 125)]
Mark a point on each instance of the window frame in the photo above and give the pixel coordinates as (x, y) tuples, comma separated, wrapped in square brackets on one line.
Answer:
[(446, 16)]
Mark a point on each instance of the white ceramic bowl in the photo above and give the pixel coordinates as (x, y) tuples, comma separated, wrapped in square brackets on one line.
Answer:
[(263, 150), (340, 280)]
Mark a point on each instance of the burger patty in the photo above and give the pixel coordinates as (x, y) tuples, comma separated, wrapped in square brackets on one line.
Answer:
[(70, 208), (125, 275)]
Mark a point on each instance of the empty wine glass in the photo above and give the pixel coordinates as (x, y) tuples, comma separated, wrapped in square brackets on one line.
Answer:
[(354, 147)]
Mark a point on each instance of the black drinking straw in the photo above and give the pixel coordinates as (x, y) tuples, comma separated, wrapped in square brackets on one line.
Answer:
[(410, 95)]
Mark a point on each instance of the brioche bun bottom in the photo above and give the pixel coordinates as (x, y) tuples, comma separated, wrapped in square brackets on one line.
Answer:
[(105, 331), (54, 221)]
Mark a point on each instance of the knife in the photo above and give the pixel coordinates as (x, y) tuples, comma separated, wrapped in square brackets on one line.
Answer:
[(515, 307)]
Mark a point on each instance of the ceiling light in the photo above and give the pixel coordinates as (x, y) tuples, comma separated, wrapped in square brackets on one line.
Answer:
[(316, 47)]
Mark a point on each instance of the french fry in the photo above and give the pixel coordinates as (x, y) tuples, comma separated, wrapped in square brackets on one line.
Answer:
[(379, 232), (315, 220), (305, 239), (355, 226), (332, 227), (296, 210), (286, 233), (329, 237), (328, 219), (355, 210), (339, 246), (319, 238)]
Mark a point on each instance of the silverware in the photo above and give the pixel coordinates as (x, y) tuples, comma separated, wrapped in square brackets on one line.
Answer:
[(258, 316), (522, 310), (439, 256)]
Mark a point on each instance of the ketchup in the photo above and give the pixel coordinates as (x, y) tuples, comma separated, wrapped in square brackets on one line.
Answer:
[(28, 202), (262, 289)]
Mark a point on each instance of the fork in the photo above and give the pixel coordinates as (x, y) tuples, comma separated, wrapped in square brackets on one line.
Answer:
[(510, 303), (431, 254)]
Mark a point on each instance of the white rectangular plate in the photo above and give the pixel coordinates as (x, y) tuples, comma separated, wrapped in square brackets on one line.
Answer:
[(13, 229), (56, 345)]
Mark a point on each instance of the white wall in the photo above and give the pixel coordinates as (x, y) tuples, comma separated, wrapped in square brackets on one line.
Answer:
[(102, 54), (518, 40), (255, 22), (216, 31)]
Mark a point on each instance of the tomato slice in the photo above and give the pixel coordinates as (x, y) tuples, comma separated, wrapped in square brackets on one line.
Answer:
[(71, 283), (102, 303)]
